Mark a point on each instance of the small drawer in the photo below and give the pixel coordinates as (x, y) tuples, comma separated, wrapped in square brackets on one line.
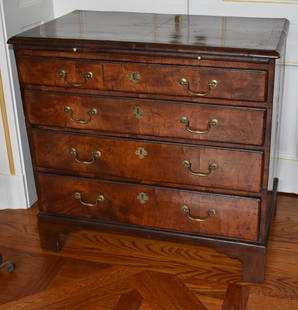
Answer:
[(147, 117), (138, 160), (149, 206)]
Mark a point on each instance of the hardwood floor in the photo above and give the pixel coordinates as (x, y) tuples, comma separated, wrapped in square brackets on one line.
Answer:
[(107, 271)]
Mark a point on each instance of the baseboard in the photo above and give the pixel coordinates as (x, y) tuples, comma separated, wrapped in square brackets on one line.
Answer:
[(288, 176), (13, 193)]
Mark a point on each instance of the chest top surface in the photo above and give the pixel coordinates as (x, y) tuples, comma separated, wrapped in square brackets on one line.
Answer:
[(223, 35)]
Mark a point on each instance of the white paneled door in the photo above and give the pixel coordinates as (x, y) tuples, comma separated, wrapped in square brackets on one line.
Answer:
[(288, 152), (147, 6), (17, 190), (21, 15)]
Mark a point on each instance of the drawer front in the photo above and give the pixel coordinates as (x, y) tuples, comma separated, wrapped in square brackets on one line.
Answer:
[(149, 161), (150, 206), (146, 117), (232, 84), (60, 72)]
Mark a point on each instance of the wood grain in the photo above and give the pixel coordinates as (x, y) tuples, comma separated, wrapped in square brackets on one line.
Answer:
[(162, 164), (131, 300), (149, 72), (156, 79), (235, 217), (46, 72), (95, 263), (157, 118), (161, 79)]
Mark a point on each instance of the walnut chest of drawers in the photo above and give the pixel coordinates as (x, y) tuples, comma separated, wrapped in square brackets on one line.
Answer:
[(155, 125)]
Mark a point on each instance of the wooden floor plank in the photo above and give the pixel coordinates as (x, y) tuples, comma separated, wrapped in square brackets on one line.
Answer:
[(88, 288), (165, 292), (131, 300), (92, 255), (240, 297)]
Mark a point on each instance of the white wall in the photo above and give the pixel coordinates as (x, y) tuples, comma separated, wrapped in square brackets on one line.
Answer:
[(288, 155), (17, 189), (154, 6)]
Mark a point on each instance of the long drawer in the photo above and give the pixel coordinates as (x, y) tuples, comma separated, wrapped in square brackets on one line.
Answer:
[(140, 160), (149, 206), (147, 117), (232, 84)]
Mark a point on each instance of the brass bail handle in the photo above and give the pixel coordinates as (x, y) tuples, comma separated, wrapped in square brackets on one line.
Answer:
[(212, 167), (78, 196), (185, 209), (211, 123), (94, 155), (64, 74), (185, 83), (90, 113)]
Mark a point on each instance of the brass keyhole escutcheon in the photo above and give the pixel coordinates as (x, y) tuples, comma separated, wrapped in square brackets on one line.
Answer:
[(141, 152), (138, 112), (134, 76), (142, 197)]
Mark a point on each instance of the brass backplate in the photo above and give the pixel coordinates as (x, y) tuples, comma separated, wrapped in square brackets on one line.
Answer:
[(142, 197), (134, 76), (138, 112), (141, 152)]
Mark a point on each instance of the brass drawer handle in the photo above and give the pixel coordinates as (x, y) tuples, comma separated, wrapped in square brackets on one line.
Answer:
[(212, 123), (74, 154), (78, 196), (186, 211), (212, 167), (68, 110), (87, 76), (185, 83)]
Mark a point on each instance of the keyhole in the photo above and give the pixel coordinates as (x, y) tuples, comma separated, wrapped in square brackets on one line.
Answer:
[(138, 112), (141, 152)]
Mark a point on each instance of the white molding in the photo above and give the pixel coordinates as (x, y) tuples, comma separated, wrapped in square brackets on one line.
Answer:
[(12, 192), (289, 115), (288, 176), (288, 156), (291, 64)]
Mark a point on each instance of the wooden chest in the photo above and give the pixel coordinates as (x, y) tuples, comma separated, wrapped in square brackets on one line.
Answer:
[(155, 125)]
